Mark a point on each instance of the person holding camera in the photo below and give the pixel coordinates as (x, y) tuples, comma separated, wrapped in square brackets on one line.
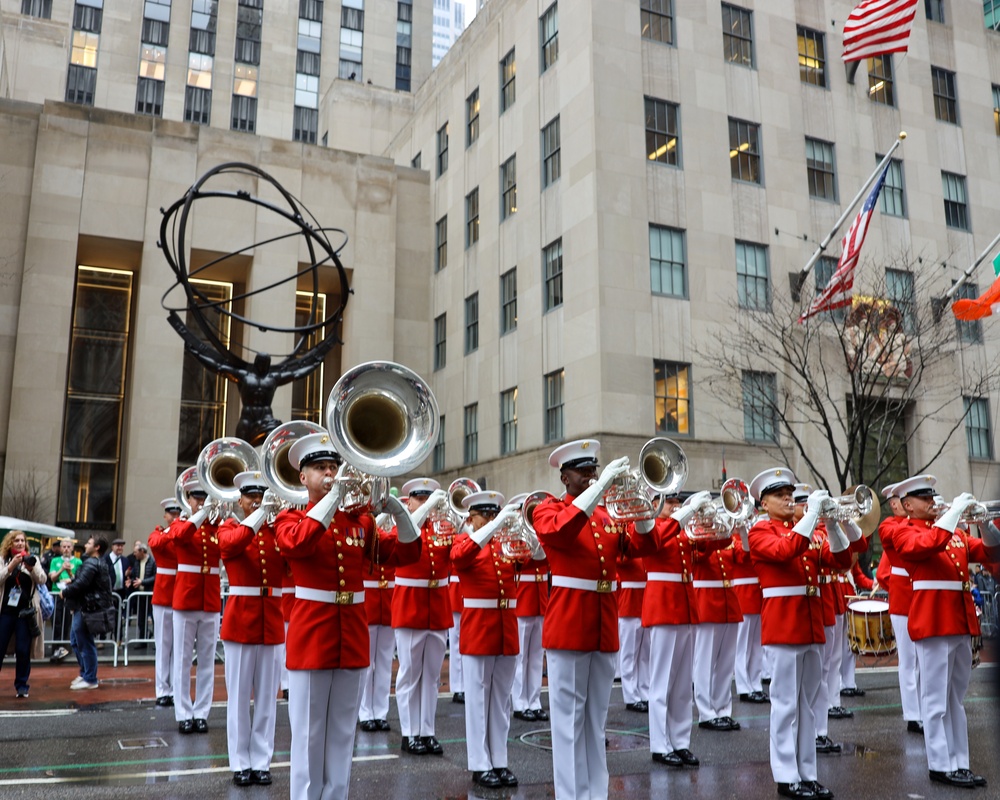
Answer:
[(20, 614), (88, 592)]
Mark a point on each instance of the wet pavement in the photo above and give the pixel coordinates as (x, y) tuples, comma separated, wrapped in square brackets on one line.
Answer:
[(113, 742)]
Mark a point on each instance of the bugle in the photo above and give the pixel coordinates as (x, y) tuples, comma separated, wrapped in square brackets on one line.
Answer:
[(448, 516), (516, 539), (662, 467), (718, 519)]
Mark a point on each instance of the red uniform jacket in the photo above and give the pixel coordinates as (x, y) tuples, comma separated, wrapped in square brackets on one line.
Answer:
[(379, 585), (788, 566), (938, 563), (586, 549), (669, 596), (332, 560), (252, 560), (891, 532), (196, 586), (714, 563), (455, 592), (426, 607), (162, 549), (532, 588), (486, 576), (631, 586), (746, 584)]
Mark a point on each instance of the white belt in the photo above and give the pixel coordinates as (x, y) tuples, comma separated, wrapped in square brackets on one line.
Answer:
[(492, 602), (947, 586), (453, 579), (379, 584), (669, 577), (324, 596), (165, 571), (632, 584), (254, 591), (710, 584), (536, 577), (791, 591), (193, 568), (899, 571), (744, 581), (566, 582), (422, 583)]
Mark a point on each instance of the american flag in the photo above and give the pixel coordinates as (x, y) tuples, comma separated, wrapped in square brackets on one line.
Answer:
[(837, 293), (878, 26)]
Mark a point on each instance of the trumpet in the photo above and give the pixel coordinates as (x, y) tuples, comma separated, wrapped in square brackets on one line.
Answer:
[(516, 538), (219, 462), (853, 506), (977, 513), (718, 519), (448, 516), (662, 467)]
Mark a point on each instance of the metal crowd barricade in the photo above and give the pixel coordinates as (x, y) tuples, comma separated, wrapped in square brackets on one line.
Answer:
[(50, 628), (132, 613), (989, 621)]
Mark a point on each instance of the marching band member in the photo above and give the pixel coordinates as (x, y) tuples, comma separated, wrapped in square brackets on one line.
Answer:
[(489, 641), (848, 681), (749, 650), (197, 602), (456, 674), (252, 630), (421, 616), (580, 631), (532, 601), (942, 621), (633, 653), (375, 686), (787, 562), (894, 576), (327, 645), (162, 549), (670, 611)]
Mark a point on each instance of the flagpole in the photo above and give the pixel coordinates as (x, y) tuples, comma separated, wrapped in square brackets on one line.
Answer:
[(965, 276)]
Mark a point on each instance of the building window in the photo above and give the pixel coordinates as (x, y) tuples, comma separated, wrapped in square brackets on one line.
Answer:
[(753, 285), (977, 427), (892, 200), (812, 56), (472, 117), (404, 44), (307, 392), (149, 97), (80, 85), (472, 218), (551, 153), (996, 109), (508, 70), (548, 27), (934, 10), (880, 80), (821, 170), (305, 124), (508, 421), (203, 25), (760, 418), (956, 206), (95, 398), (244, 113), (352, 25), (672, 392), (661, 132), (508, 187), (969, 332), (945, 95), (441, 244), (37, 8), (667, 261), (900, 291), (991, 14), (439, 447), (442, 150), (470, 434), (552, 275), (823, 271), (249, 17), (88, 16), (472, 323), (440, 341), (656, 18), (737, 35), (744, 150), (508, 301), (554, 406), (197, 105)]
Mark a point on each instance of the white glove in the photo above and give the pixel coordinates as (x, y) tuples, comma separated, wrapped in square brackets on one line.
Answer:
[(406, 530), (851, 530), (485, 533), (590, 497), (949, 519), (690, 508), (815, 504), (744, 532), (644, 525), (838, 539), (537, 553), (199, 516), (421, 514), (271, 503), (991, 534), (326, 506), (255, 519)]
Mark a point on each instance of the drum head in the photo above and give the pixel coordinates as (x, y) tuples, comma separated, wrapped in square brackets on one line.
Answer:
[(869, 606)]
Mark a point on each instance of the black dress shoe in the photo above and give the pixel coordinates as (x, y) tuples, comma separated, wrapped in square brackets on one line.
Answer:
[(529, 715), (633, 707), (717, 724), (753, 697), (978, 780), (670, 759), (689, 758), (383, 724), (261, 777), (170, 700), (839, 712), (433, 745), (642, 707), (242, 777), (458, 697), (163, 701), (507, 778), (795, 790), (852, 691), (819, 789), (956, 778), (488, 779), (187, 726), (201, 726), (541, 715), (914, 726), (824, 744), (732, 723), (414, 746), (369, 725)]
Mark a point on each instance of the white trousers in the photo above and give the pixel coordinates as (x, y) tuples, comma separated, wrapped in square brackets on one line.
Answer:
[(194, 629), (526, 691), (798, 672), (163, 641), (378, 676), (714, 662), (833, 652), (671, 653), (633, 658), (456, 676), (909, 671), (322, 709), (579, 695), (823, 700), (945, 664), (282, 669), (848, 661), (420, 654), (251, 670), (749, 655), (767, 669), (487, 710)]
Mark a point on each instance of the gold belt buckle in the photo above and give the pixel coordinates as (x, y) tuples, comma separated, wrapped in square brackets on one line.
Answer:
[(966, 586), (812, 591), (433, 583), (383, 584), (726, 585), (604, 586), (685, 578), (502, 602), (204, 570), (344, 598)]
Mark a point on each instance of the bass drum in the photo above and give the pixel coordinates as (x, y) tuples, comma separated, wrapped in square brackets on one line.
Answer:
[(869, 628)]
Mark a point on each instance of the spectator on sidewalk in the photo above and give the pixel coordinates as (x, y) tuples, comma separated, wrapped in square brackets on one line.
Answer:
[(62, 569), (141, 580), (20, 614), (119, 567), (90, 590)]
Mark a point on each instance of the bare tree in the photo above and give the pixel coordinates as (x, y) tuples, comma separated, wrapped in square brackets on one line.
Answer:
[(26, 496), (867, 380)]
